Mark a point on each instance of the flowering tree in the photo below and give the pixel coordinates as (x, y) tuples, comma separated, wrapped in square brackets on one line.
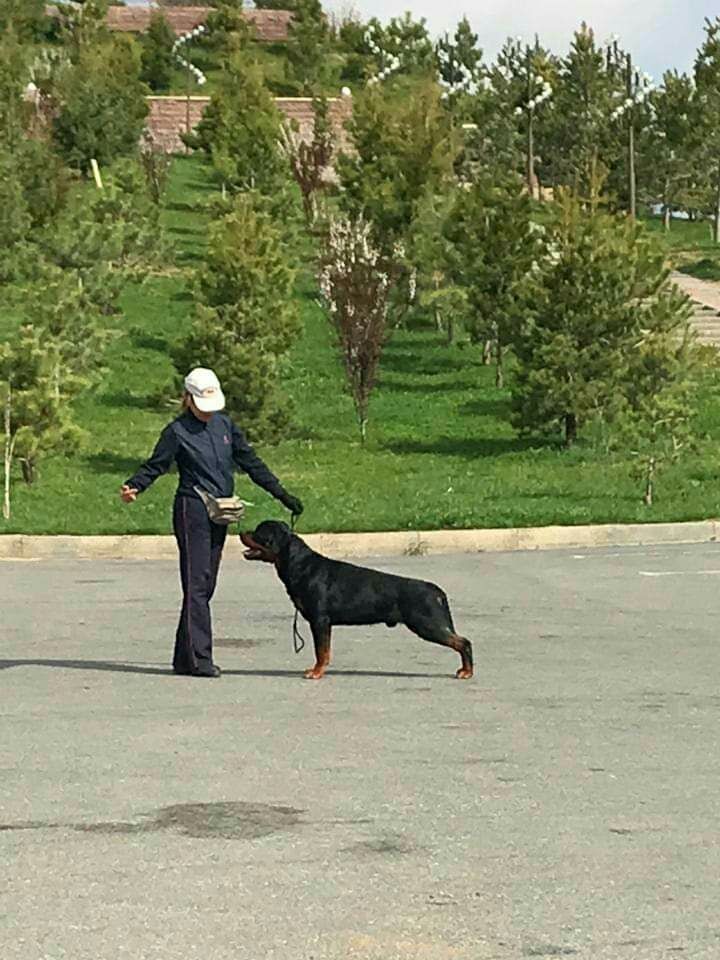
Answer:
[(309, 161), (356, 282)]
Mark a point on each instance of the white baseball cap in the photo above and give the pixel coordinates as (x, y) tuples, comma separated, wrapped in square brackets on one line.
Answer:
[(205, 389)]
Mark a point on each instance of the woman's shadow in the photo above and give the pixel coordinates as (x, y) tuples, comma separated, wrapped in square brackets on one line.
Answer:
[(112, 666)]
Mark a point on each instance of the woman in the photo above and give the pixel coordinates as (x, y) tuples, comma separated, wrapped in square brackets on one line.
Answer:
[(207, 446)]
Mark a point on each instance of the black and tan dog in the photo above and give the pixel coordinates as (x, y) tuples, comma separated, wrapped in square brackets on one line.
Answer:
[(331, 593)]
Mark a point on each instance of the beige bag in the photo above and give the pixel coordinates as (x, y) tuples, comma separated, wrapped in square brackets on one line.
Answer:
[(222, 510)]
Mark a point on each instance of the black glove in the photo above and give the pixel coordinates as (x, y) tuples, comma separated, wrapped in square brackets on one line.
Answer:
[(293, 504)]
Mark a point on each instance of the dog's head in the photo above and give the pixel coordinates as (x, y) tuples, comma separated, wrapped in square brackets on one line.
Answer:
[(267, 541)]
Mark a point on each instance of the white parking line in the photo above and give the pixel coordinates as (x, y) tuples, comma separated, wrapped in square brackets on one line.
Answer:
[(679, 573)]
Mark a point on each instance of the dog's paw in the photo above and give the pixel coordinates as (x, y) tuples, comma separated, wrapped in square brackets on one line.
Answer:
[(464, 674), (314, 674)]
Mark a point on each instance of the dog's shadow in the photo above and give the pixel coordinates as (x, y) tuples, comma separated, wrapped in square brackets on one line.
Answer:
[(110, 666)]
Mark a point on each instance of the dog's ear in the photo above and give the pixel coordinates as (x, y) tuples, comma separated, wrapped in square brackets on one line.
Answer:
[(284, 534)]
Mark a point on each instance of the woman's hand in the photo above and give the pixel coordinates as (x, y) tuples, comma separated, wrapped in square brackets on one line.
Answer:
[(128, 494), (293, 504)]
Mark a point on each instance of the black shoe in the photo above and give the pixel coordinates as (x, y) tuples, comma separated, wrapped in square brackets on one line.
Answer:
[(211, 671)]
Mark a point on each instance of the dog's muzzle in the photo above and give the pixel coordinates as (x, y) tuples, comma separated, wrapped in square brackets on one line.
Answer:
[(256, 551)]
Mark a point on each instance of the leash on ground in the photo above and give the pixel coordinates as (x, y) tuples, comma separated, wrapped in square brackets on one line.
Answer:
[(298, 638)]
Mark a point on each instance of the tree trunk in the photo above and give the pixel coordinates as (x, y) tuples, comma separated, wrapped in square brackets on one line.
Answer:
[(450, 330), (363, 430), (667, 218), (716, 220), (649, 483), (487, 353), (309, 207), (499, 378), (9, 444), (28, 470), (570, 429)]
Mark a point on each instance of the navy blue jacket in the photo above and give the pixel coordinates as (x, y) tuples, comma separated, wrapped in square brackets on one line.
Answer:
[(206, 455)]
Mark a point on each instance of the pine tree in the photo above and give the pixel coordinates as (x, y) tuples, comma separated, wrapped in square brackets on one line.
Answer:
[(14, 110), (459, 65), (102, 104), (673, 143), (308, 48), (352, 43), (493, 250), (35, 395), (240, 130), (227, 29), (402, 47), (62, 310), (158, 59), (24, 18), (707, 80), (460, 56), (246, 320), (656, 424), (83, 26), (583, 139), (108, 236), (15, 219), (430, 253), (604, 289)]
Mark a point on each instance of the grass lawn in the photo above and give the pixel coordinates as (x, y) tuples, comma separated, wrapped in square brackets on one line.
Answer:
[(690, 247), (441, 452)]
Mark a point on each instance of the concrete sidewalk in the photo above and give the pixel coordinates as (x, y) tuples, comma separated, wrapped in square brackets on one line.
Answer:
[(391, 544), (705, 295)]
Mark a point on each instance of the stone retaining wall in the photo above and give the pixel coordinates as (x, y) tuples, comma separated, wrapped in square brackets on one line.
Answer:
[(169, 116)]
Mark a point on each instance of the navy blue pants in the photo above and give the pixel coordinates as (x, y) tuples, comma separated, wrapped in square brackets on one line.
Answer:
[(200, 542)]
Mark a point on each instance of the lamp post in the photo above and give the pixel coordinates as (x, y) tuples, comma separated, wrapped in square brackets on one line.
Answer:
[(188, 78), (190, 71)]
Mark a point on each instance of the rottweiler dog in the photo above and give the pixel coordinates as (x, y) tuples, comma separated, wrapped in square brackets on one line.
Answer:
[(331, 593)]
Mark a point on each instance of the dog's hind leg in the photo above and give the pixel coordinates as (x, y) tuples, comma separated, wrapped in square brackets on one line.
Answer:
[(321, 631), (445, 636)]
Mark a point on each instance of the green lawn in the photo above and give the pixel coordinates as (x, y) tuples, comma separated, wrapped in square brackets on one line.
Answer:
[(441, 452), (690, 247)]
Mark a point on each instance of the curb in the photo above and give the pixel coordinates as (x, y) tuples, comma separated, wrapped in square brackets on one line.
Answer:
[(393, 544)]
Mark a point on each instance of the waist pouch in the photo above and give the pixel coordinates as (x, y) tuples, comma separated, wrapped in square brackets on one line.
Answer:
[(222, 510)]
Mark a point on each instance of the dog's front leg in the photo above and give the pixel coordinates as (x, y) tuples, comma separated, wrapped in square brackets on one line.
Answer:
[(321, 631)]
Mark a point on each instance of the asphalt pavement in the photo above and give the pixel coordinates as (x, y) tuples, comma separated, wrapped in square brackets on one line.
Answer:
[(563, 803)]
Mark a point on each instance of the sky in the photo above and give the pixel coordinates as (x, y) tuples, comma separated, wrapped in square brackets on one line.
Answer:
[(661, 34)]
